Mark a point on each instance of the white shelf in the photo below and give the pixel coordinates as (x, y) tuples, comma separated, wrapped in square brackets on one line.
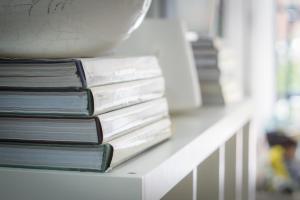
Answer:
[(148, 176)]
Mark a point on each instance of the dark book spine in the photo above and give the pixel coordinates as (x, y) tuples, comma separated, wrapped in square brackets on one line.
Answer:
[(99, 130), (91, 105), (81, 73), (78, 64), (108, 152)]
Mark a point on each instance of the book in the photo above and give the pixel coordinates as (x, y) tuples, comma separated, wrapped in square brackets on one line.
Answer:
[(205, 52), (206, 58), (206, 74), (67, 157), (82, 103), (98, 158), (96, 130), (212, 93), (204, 43), (76, 73), (206, 63)]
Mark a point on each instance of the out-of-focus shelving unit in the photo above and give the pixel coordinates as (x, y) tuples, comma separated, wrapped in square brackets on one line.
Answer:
[(208, 157)]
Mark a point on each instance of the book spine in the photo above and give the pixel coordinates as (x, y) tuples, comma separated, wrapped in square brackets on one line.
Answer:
[(79, 69), (91, 102), (96, 120), (108, 152), (99, 130), (81, 73), (29, 158)]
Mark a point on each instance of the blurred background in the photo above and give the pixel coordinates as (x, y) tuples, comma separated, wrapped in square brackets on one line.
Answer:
[(258, 46)]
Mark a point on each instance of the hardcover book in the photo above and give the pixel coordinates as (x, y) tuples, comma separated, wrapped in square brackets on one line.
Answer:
[(76, 73), (82, 103)]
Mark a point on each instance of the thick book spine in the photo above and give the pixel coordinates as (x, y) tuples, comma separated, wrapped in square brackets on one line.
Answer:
[(8, 140), (108, 154), (83, 103), (99, 130), (29, 102), (81, 73), (91, 103), (76, 62), (56, 157)]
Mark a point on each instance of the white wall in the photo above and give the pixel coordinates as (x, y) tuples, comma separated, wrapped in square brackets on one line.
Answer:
[(262, 59), (196, 13), (235, 35), (249, 30)]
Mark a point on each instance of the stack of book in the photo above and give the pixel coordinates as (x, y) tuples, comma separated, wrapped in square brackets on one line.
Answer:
[(206, 60), (80, 114)]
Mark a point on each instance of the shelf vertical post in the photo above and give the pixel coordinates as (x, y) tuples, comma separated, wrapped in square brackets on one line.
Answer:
[(249, 168), (195, 180), (222, 172), (230, 169), (239, 165)]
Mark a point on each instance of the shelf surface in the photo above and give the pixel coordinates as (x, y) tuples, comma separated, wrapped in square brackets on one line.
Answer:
[(206, 128), (150, 175)]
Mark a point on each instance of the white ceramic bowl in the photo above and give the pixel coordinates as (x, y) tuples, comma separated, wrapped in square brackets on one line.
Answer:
[(66, 28)]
